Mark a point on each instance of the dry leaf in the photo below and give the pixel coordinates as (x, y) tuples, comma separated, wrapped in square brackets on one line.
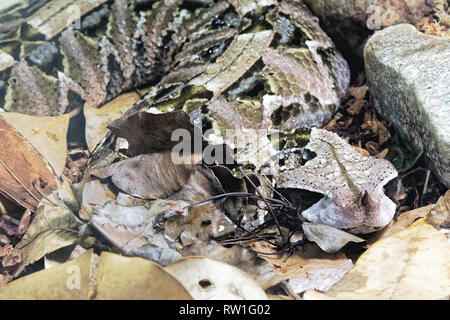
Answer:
[(12, 258), (68, 281), (20, 165), (373, 124), (124, 278), (329, 239), (148, 132), (410, 264), (97, 119), (129, 227), (402, 222), (238, 256), (110, 277), (207, 279), (439, 216), (150, 176), (54, 226), (48, 135), (352, 185), (359, 94), (94, 194), (308, 268)]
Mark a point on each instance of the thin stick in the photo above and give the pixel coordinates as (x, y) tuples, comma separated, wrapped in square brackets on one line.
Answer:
[(233, 194), (425, 186), (281, 196), (265, 201)]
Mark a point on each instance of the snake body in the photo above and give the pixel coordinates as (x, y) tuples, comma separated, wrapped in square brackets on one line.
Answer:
[(237, 63)]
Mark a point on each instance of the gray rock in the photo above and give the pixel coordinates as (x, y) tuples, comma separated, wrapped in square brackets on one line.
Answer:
[(409, 74)]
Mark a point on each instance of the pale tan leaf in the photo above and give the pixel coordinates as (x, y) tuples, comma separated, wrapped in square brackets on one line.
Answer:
[(94, 194), (97, 119), (110, 277), (24, 222), (48, 135), (308, 268), (151, 176), (329, 239), (207, 279), (68, 281), (20, 165), (133, 278), (439, 216), (402, 222), (410, 264)]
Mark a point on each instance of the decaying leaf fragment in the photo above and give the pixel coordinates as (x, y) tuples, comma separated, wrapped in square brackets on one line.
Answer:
[(48, 135), (150, 176), (54, 226), (131, 229), (309, 268), (328, 238), (94, 194), (148, 132), (410, 264), (439, 216), (207, 279), (352, 185), (204, 221), (20, 165), (97, 119)]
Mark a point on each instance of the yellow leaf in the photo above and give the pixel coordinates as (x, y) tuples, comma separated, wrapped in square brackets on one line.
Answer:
[(410, 264), (87, 277), (63, 282), (130, 278)]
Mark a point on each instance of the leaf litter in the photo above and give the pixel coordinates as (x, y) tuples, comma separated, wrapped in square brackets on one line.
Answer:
[(139, 204)]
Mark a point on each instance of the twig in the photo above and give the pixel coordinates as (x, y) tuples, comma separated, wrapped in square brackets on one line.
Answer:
[(233, 194), (265, 201), (425, 186)]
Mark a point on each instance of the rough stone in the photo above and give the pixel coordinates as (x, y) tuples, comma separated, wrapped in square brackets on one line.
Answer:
[(408, 74)]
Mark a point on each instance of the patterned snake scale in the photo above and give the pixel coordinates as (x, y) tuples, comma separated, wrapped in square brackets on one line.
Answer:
[(244, 63)]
